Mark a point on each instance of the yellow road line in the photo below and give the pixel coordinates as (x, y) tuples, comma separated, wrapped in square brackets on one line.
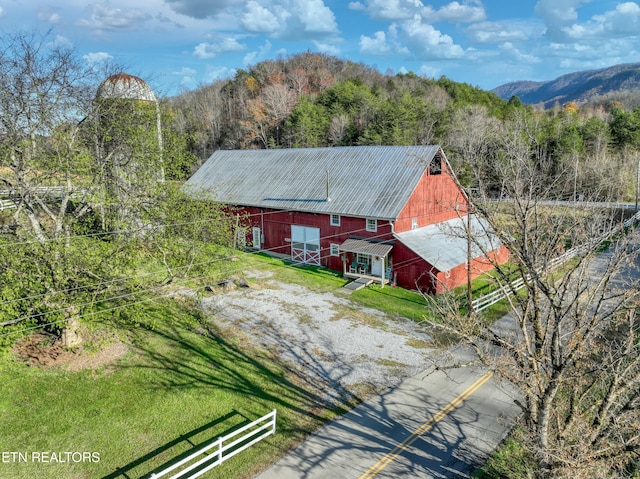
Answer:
[(390, 456)]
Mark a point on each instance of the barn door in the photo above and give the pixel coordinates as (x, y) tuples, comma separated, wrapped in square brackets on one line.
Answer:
[(305, 244)]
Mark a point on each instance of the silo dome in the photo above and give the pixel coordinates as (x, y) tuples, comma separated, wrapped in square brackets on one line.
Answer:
[(125, 86)]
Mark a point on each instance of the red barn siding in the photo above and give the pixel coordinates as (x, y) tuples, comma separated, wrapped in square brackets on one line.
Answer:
[(413, 272), (408, 269), (275, 226), (433, 200)]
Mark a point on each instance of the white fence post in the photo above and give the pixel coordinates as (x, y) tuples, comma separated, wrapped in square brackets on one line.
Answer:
[(493, 297), (264, 427)]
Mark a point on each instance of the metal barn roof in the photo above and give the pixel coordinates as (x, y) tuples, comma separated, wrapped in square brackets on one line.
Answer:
[(444, 245), (364, 181)]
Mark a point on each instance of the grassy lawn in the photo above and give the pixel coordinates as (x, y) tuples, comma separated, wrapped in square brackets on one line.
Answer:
[(393, 301), (396, 302), (182, 384), (316, 278)]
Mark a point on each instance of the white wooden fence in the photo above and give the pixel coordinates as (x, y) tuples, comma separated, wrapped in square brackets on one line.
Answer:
[(221, 449), (6, 204), (493, 297)]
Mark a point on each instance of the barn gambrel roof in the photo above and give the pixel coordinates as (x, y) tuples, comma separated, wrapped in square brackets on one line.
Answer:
[(362, 181)]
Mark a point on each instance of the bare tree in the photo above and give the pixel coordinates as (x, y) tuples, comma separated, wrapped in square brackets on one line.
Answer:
[(569, 342), (338, 128), (44, 92)]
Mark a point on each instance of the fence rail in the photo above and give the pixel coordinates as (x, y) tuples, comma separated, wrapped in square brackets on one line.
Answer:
[(6, 204), (489, 299), (220, 450)]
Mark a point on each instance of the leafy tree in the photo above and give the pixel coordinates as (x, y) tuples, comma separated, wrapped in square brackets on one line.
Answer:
[(308, 125), (625, 128), (80, 170)]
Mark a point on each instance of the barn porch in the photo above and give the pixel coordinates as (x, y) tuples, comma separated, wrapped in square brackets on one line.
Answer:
[(366, 260)]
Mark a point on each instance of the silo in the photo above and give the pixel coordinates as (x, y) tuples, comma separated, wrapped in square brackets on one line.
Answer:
[(128, 149)]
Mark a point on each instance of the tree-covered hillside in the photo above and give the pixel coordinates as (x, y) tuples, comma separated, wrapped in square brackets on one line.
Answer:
[(312, 100)]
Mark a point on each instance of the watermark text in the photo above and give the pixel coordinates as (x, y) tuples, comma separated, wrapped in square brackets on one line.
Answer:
[(49, 456)]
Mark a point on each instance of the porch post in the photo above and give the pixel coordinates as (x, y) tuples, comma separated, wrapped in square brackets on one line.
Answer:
[(382, 273)]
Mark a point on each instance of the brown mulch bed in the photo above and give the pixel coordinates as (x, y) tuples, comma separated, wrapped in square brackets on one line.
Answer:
[(46, 350)]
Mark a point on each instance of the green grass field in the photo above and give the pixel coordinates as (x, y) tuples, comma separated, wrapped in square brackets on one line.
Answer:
[(181, 384)]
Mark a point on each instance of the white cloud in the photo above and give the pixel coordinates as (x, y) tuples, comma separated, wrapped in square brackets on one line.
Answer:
[(217, 73), (376, 45), (500, 32), (62, 41), (316, 16), (290, 19), (2, 12), (185, 71), (49, 15), (389, 9), (257, 55), (103, 17), (96, 58), (621, 22), (259, 19), (624, 20), (206, 51), (557, 15), (328, 48), (429, 71), (395, 10), (202, 9), (187, 76), (426, 42), (455, 12), (510, 51)]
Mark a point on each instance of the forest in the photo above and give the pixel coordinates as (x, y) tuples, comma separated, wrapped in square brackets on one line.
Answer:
[(314, 100)]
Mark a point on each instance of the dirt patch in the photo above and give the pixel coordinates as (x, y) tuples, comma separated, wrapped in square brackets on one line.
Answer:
[(43, 350), (330, 341)]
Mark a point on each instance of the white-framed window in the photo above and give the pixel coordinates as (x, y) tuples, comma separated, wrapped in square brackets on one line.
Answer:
[(372, 224), (334, 249), (414, 223), (335, 220)]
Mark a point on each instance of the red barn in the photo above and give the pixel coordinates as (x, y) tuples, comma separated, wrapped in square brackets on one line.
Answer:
[(388, 213)]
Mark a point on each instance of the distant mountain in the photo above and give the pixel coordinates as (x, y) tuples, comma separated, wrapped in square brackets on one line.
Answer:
[(578, 86)]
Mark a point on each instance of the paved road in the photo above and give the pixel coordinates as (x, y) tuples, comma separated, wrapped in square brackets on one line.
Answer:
[(439, 424)]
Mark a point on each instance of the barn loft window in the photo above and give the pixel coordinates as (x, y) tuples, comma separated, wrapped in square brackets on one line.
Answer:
[(414, 223), (335, 220), (435, 167), (372, 224)]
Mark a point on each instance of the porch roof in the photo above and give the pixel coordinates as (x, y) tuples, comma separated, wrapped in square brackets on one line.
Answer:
[(363, 246)]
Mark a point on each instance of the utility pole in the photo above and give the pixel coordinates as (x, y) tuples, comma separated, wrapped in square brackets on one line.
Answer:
[(469, 295), (637, 185)]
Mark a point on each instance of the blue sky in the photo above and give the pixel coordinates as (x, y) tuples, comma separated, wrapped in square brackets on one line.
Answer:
[(180, 44)]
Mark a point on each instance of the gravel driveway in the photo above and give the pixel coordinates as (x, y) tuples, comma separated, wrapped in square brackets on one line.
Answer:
[(326, 337)]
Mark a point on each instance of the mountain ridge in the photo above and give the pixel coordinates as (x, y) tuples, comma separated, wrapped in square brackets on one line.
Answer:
[(577, 86)]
